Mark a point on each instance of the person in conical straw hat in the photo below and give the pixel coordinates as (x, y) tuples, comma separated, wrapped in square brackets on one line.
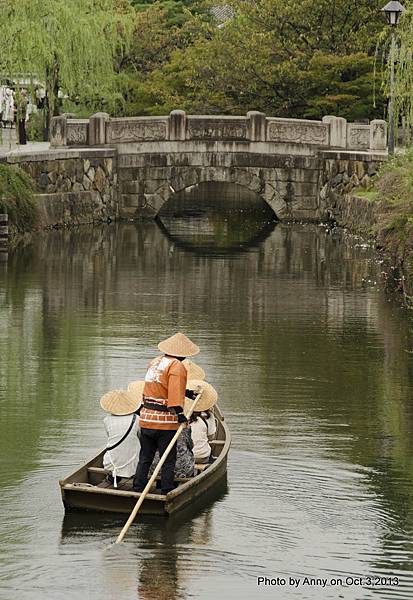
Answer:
[(163, 408), (185, 462), (122, 428), (193, 370), (202, 421)]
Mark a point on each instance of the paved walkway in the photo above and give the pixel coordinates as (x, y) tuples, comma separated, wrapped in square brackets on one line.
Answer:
[(9, 145)]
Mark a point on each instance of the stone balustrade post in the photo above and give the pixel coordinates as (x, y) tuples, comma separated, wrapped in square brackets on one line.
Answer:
[(58, 131), (97, 129), (257, 126), (177, 125), (338, 131), (378, 135)]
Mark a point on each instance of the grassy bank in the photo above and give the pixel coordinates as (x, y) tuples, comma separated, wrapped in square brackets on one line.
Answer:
[(16, 198), (392, 192)]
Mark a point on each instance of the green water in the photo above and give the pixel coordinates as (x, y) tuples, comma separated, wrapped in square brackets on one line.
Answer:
[(312, 362)]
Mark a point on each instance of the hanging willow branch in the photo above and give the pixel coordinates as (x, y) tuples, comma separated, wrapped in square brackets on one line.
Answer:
[(71, 46), (403, 100)]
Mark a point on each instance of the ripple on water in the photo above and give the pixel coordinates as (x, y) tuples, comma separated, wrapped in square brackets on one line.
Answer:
[(313, 378)]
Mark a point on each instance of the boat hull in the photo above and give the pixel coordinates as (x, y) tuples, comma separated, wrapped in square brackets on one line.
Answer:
[(85, 488)]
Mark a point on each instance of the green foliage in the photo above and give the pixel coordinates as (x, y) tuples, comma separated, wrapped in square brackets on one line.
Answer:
[(177, 12), (68, 45), (141, 57), (371, 195), (393, 189), (300, 59), (155, 39), (16, 197), (35, 127), (343, 86), (403, 100)]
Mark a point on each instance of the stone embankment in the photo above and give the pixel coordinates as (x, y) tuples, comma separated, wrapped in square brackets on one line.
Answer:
[(74, 186), (341, 177), (376, 203)]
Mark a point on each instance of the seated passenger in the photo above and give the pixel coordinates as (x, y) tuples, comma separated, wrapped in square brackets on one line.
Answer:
[(185, 462), (193, 370), (202, 421), (122, 428)]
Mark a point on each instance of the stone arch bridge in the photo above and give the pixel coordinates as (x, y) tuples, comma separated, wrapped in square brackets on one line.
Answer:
[(129, 167)]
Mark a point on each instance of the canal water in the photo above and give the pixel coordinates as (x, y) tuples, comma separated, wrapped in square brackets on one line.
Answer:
[(314, 367)]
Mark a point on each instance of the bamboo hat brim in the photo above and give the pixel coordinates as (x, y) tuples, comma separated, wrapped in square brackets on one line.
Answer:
[(119, 402), (136, 389), (178, 345), (209, 395), (193, 370)]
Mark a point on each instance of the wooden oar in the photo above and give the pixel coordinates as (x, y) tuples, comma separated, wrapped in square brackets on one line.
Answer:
[(155, 473)]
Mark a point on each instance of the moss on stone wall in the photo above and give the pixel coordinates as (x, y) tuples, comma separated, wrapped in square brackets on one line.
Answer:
[(16, 198)]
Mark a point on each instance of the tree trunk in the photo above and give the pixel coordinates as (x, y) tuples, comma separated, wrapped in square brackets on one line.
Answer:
[(52, 96)]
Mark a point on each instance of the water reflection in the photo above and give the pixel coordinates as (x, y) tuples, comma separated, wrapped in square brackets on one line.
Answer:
[(313, 367), (168, 547), (216, 218)]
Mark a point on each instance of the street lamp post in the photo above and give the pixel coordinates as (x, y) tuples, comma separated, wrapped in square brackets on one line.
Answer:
[(392, 10)]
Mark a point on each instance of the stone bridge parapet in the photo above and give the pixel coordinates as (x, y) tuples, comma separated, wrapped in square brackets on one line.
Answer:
[(273, 134)]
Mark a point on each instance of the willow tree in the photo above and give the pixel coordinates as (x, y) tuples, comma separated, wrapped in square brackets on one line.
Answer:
[(403, 58), (70, 47)]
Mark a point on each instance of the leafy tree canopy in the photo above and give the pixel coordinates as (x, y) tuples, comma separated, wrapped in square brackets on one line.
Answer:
[(134, 57), (287, 59), (68, 45), (177, 12)]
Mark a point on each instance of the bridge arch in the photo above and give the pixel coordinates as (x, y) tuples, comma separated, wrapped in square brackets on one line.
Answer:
[(181, 179)]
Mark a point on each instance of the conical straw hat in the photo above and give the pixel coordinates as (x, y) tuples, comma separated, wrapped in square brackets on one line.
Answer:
[(193, 370), (178, 345), (119, 402), (209, 395), (136, 389)]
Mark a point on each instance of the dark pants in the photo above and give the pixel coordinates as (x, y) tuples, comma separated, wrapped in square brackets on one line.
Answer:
[(151, 441), (22, 131)]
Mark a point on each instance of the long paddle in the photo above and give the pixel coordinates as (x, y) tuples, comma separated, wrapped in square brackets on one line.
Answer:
[(155, 473)]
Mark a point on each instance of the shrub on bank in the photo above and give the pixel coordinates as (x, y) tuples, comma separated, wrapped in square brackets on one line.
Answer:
[(16, 198), (392, 189)]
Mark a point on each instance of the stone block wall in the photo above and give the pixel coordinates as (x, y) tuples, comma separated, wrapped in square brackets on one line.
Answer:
[(341, 174), (356, 213), (73, 187)]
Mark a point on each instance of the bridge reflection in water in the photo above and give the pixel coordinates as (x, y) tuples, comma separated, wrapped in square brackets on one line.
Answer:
[(217, 218)]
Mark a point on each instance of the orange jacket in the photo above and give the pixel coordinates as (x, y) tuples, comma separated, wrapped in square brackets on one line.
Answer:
[(165, 383)]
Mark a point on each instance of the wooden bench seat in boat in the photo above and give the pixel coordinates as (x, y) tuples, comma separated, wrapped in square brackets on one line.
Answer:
[(97, 475)]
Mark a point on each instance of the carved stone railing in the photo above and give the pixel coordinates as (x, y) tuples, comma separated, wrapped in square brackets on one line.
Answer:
[(330, 133)]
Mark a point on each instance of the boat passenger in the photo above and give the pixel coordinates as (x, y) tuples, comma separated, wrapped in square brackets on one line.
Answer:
[(162, 410), (202, 421), (185, 461), (122, 428), (193, 370)]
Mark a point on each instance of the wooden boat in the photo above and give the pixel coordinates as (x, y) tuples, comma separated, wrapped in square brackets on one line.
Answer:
[(87, 488)]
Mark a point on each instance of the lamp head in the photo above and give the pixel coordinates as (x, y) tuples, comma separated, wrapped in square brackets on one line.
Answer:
[(393, 10)]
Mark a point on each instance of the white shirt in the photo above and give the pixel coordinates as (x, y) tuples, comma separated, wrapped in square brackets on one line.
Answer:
[(122, 460), (200, 433)]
